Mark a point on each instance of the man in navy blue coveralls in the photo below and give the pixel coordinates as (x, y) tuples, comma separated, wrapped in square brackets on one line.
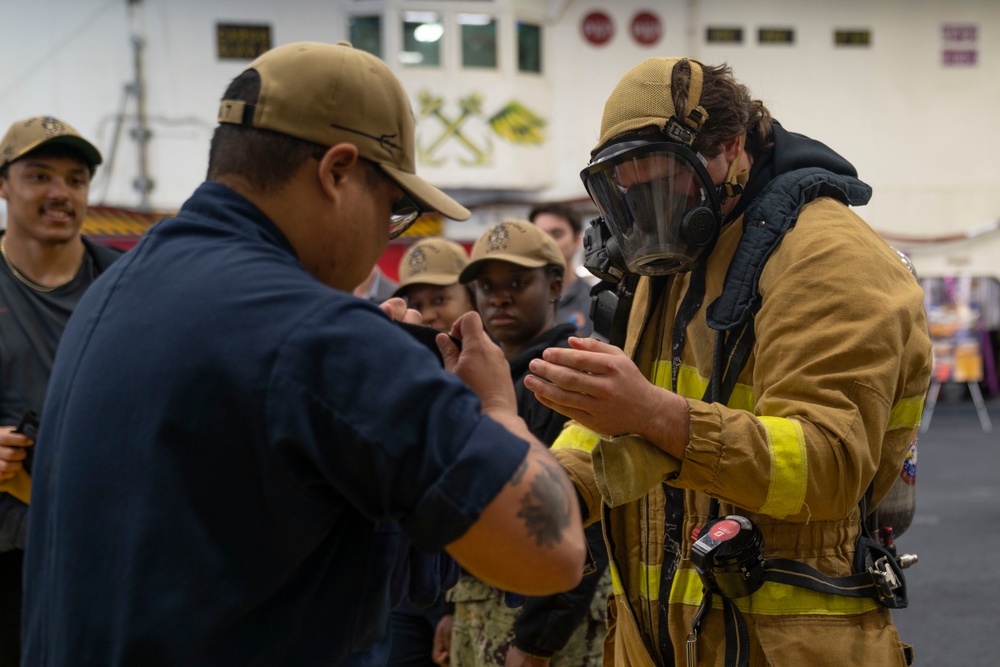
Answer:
[(233, 440)]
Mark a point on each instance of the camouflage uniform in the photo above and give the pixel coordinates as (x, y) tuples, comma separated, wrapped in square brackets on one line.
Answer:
[(483, 631)]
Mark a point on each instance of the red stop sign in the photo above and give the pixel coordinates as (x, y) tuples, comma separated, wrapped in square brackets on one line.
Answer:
[(646, 28), (597, 28)]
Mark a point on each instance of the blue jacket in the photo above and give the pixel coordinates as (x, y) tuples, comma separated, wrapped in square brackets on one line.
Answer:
[(224, 436)]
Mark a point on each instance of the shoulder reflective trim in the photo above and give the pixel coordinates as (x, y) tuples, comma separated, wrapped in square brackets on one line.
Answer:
[(649, 582), (691, 385), (576, 437), (772, 599), (789, 467), (906, 413)]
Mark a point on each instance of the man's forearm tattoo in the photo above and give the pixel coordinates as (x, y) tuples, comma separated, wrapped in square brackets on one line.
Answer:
[(544, 508)]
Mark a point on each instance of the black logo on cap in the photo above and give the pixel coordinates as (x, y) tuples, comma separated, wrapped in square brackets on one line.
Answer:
[(498, 239), (418, 261), (53, 126), (386, 141)]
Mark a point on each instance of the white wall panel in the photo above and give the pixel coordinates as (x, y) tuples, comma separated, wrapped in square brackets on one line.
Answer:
[(921, 133)]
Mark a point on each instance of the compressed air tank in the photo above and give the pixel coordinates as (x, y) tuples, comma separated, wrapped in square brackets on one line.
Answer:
[(897, 509)]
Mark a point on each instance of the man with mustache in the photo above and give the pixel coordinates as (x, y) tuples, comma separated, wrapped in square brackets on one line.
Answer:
[(45, 173)]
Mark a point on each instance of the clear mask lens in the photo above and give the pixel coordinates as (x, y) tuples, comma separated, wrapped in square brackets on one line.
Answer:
[(659, 204)]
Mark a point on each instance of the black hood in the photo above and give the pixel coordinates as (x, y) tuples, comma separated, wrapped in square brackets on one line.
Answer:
[(790, 151)]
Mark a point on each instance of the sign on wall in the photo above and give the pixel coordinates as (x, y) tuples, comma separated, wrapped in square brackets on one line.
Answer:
[(646, 28), (959, 44), (597, 28), (241, 42), (723, 35), (775, 36), (471, 129), (852, 38)]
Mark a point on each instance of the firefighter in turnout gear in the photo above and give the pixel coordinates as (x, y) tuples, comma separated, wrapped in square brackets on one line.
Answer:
[(772, 369)]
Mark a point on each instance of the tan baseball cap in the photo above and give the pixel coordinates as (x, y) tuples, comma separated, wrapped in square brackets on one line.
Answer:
[(333, 93), (433, 261), (515, 241), (643, 98), (29, 134)]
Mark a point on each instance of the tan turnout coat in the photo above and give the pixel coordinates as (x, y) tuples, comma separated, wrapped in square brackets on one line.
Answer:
[(828, 402)]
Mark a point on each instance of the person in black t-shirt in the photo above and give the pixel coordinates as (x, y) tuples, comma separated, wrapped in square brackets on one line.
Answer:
[(45, 172)]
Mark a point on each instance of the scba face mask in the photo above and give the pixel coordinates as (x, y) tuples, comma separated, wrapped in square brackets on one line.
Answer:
[(658, 203)]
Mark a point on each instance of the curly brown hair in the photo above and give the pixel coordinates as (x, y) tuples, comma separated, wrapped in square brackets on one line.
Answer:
[(730, 106)]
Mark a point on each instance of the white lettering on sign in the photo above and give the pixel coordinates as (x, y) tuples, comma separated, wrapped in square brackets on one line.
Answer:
[(724, 530), (597, 28), (646, 28)]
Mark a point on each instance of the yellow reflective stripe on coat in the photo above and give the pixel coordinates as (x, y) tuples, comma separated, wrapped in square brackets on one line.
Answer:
[(906, 413), (773, 599), (692, 385), (786, 444), (574, 436), (785, 439), (649, 581)]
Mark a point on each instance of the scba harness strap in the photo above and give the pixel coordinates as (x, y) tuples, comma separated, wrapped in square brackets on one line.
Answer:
[(742, 570)]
